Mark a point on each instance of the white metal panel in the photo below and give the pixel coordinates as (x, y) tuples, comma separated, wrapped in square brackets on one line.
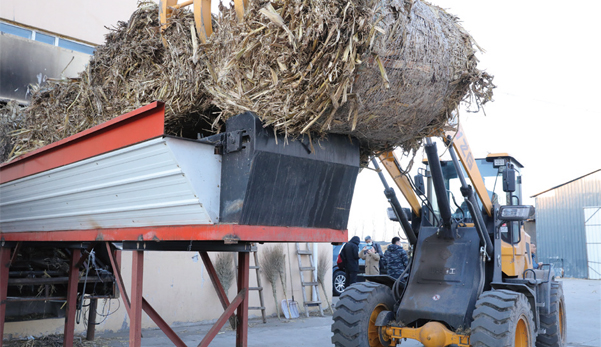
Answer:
[(140, 185), (203, 170), (592, 224)]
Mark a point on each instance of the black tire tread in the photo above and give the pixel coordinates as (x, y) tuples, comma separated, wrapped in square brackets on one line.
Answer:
[(495, 316), (549, 322), (353, 310)]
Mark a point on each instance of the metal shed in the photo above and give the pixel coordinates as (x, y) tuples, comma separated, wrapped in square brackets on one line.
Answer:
[(568, 226)]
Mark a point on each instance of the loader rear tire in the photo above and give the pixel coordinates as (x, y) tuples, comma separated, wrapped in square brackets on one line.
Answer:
[(554, 323), (356, 313), (502, 318)]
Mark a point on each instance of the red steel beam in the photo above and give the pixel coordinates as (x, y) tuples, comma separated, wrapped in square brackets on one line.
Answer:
[(243, 279), (135, 313), (117, 273), (223, 318), (215, 280), (133, 127), (158, 320), (150, 311), (71, 298), (4, 266), (205, 232)]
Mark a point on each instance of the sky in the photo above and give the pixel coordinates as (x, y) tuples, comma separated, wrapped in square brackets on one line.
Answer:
[(545, 57)]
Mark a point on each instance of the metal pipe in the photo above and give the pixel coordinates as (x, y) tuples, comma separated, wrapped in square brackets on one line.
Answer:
[(438, 181), (468, 194), (396, 206)]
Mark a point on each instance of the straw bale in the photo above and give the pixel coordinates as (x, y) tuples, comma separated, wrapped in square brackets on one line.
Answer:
[(387, 72)]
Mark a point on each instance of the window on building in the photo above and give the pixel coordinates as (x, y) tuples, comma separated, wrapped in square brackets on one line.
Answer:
[(15, 30), (49, 39), (75, 46), (46, 38)]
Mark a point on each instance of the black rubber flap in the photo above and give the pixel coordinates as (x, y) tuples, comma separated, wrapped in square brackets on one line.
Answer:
[(296, 183)]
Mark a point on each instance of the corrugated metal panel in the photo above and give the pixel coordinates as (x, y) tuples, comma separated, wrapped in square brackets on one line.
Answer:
[(162, 181), (560, 224), (592, 224)]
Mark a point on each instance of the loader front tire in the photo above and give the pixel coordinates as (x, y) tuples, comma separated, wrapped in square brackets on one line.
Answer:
[(554, 323), (356, 313), (502, 318)]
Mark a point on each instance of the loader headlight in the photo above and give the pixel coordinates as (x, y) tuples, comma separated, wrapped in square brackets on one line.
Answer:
[(516, 213)]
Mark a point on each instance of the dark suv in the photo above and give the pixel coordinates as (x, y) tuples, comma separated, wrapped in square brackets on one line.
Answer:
[(339, 276)]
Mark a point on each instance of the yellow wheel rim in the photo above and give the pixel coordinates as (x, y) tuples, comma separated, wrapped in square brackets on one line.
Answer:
[(522, 334), (561, 322), (372, 330)]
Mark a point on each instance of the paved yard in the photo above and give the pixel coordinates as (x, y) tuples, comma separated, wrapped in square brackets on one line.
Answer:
[(583, 301)]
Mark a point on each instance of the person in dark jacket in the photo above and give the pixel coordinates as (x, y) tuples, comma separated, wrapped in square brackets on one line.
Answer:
[(396, 258), (350, 257)]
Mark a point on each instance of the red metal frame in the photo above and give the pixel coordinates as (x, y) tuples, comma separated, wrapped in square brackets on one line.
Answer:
[(71, 298), (133, 127), (243, 280), (208, 232), (134, 312)]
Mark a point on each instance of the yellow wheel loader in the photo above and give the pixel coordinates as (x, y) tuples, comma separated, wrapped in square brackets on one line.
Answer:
[(471, 279)]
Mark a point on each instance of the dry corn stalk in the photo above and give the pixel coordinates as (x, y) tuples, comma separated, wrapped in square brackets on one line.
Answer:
[(323, 266), (273, 264)]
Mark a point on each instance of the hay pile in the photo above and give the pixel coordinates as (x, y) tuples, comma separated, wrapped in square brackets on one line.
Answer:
[(387, 72)]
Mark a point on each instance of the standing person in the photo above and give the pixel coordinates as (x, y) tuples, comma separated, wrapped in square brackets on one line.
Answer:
[(535, 265), (396, 258), (376, 246), (350, 257), (372, 259)]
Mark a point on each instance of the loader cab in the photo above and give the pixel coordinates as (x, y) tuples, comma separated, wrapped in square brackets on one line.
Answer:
[(491, 169), (515, 250)]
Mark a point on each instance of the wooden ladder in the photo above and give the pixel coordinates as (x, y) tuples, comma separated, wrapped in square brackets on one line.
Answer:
[(259, 287), (313, 278)]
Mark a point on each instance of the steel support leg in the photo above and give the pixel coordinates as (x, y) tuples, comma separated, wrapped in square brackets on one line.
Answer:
[(135, 313), (92, 320), (243, 275), (156, 318), (71, 298), (4, 265)]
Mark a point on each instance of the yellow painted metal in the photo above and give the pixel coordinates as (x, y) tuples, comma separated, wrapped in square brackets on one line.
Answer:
[(432, 334), (515, 259), (464, 152), (522, 334), (165, 9), (390, 162), (202, 18), (240, 6), (183, 4), (372, 330)]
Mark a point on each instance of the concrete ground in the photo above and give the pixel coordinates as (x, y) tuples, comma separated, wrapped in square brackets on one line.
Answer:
[(583, 306)]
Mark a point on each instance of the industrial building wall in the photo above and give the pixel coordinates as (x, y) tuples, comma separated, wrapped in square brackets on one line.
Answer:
[(560, 224), (82, 20), (178, 287)]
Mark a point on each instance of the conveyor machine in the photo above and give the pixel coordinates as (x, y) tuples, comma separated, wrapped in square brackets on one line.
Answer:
[(126, 183)]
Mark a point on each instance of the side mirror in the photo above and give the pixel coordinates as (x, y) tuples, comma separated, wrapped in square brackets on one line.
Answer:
[(509, 179), (420, 188)]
